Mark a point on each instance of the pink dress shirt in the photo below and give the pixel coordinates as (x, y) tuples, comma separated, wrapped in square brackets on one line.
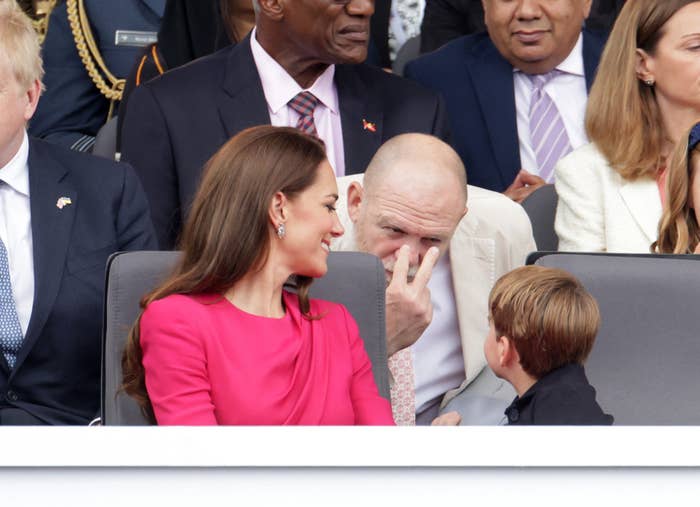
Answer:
[(279, 88), (207, 362)]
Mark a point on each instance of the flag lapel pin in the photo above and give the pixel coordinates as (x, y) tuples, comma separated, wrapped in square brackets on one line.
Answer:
[(63, 202), (368, 125)]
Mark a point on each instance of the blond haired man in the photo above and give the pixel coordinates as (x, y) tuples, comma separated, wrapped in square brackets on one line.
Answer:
[(61, 215)]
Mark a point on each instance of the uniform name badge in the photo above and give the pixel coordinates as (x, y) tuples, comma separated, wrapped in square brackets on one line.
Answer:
[(135, 38)]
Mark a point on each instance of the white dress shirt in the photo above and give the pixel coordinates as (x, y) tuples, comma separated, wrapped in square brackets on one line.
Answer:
[(568, 92), (16, 231), (279, 88), (438, 363)]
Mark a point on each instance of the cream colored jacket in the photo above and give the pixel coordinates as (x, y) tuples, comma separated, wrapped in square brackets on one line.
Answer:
[(599, 211), (494, 237)]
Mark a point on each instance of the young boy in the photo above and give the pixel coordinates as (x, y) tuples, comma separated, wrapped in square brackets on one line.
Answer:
[(542, 327)]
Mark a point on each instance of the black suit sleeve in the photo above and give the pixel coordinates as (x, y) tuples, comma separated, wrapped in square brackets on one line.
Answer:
[(147, 146), (133, 219), (444, 20)]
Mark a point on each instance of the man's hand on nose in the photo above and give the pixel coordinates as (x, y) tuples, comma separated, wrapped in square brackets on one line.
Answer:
[(408, 306)]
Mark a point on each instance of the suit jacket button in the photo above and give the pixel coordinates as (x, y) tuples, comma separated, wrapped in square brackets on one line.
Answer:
[(12, 396)]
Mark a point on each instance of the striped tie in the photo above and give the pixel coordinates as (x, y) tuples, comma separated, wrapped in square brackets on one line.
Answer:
[(10, 331), (304, 103), (548, 136)]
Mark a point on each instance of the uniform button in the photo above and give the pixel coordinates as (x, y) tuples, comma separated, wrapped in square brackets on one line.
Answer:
[(12, 396)]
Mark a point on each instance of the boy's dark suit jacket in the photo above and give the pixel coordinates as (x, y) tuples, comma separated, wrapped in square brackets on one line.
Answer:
[(177, 121), (477, 85), (56, 378)]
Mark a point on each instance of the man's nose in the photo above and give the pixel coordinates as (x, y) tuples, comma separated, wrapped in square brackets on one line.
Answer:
[(360, 7), (414, 256), (528, 9)]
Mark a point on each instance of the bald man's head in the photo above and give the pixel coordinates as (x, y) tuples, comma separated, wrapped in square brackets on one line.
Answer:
[(414, 192), (417, 157)]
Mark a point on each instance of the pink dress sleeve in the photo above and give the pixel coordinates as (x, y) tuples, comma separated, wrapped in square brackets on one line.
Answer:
[(174, 360), (369, 407)]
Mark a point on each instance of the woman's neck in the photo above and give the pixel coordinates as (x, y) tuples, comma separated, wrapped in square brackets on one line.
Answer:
[(260, 292), (676, 120)]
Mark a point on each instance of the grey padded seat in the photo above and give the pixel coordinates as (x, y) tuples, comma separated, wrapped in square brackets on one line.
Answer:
[(645, 364), (354, 279), (106, 140), (409, 51), (541, 206)]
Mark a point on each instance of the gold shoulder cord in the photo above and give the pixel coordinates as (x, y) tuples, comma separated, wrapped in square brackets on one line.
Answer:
[(40, 20), (90, 54)]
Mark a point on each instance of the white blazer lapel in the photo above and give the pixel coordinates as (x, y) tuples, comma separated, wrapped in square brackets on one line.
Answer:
[(644, 204), (473, 262)]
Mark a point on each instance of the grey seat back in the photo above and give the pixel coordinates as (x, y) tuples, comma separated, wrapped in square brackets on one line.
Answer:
[(410, 50), (106, 140), (354, 279), (541, 206), (645, 364)]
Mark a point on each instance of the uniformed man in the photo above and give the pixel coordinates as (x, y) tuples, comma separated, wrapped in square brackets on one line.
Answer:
[(90, 46)]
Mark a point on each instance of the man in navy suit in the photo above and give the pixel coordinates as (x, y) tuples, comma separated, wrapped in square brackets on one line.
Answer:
[(62, 214), (487, 83), (176, 122)]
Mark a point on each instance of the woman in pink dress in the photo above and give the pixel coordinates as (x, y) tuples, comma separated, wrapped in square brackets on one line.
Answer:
[(221, 341)]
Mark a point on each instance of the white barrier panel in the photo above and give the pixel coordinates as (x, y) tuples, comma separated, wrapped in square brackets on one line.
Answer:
[(475, 446)]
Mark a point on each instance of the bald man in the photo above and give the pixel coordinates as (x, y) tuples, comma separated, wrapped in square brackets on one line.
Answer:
[(441, 258)]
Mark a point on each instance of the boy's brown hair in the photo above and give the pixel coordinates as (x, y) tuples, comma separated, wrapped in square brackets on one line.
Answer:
[(547, 314)]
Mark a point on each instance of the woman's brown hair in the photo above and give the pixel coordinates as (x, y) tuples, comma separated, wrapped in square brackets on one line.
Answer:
[(227, 232), (622, 116), (679, 232)]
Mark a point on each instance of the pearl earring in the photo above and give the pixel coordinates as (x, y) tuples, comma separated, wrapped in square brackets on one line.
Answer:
[(281, 231), (649, 82)]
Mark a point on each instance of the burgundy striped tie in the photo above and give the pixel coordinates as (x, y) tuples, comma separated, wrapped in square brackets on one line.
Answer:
[(548, 136), (304, 103)]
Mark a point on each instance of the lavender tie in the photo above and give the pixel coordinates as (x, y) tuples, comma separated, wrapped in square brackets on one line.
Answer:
[(548, 136)]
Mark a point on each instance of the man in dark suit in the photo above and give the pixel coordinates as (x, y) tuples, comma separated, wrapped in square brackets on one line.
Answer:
[(61, 215), (445, 20), (488, 81), (175, 123)]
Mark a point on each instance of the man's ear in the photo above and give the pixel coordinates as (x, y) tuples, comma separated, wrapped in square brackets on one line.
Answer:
[(32, 96), (272, 9), (355, 195), (644, 66), (278, 211)]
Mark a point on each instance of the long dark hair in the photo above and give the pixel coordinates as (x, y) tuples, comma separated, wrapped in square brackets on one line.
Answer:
[(227, 233)]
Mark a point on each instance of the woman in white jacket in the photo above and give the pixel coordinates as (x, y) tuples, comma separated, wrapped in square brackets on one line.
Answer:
[(646, 94)]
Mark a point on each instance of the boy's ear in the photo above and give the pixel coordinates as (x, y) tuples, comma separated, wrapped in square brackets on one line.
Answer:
[(507, 353)]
